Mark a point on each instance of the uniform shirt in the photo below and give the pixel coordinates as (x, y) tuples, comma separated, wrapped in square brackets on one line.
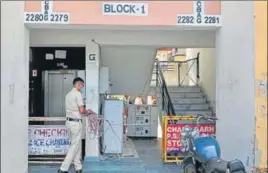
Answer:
[(73, 100)]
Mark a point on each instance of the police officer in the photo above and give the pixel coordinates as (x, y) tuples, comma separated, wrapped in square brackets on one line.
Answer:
[(74, 105)]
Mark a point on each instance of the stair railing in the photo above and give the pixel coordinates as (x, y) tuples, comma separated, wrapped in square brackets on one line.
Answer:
[(183, 70), (161, 83), (190, 63)]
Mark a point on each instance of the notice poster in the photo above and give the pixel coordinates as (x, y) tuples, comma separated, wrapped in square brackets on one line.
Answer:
[(173, 132), (48, 140)]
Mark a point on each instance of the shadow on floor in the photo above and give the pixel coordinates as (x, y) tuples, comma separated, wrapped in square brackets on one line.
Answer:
[(149, 161)]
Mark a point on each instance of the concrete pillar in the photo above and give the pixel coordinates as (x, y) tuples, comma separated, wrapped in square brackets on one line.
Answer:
[(207, 76), (206, 73), (92, 92), (235, 71), (14, 88)]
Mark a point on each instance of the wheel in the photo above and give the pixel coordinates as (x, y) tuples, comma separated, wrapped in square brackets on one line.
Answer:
[(188, 166)]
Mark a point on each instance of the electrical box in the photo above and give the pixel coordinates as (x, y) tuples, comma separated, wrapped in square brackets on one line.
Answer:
[(142, 120), (155, 120), (143, 110), (143, 131), (113, 129)]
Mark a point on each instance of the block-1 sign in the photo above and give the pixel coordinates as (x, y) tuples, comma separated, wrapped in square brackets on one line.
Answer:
[(125, 9)]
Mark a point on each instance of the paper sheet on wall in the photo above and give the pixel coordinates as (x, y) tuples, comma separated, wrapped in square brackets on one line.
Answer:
[(60, 54), (49, 56)]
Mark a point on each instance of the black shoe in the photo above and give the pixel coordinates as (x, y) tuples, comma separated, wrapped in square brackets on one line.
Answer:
[(79, 171), (60, 171)]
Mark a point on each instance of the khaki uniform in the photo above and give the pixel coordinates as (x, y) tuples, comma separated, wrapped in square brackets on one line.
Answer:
[(72, 101)]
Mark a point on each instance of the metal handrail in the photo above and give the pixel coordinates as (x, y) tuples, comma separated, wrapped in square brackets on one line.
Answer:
[(185, 61), (171, 65), (161, 83)]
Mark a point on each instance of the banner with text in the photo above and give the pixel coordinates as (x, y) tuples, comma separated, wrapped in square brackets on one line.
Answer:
[(48, 140), (173, 132)]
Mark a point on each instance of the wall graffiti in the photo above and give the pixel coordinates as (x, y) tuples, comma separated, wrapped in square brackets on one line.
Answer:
[(262, 86), (262, 110), (261, 94), (261, 118)]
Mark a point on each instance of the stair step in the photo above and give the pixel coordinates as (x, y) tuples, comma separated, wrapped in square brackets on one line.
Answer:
[(191, 107), (184, 89), (186, 95), (193, 112), (188, 100)]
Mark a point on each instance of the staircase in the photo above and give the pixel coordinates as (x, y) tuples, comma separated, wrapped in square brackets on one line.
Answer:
[(189, 100), (182, 99)]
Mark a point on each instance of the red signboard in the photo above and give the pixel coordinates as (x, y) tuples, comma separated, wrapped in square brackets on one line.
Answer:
[(173, 132)]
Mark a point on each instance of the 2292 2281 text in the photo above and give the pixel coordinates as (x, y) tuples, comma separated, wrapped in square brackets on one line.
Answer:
[(212, 19), (185, 19)]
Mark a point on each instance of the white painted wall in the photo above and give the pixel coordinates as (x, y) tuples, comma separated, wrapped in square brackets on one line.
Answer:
[(130, 68), (207, 75), (171, 77), (153, 38), (14, 88), (190, 54), (206, 72), (235, 101)]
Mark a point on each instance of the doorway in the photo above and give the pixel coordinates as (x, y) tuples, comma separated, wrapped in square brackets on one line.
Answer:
[(51, 72)]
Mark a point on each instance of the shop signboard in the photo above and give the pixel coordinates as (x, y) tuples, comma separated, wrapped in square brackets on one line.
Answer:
[(173, 149), (173, 131), (48, 140)]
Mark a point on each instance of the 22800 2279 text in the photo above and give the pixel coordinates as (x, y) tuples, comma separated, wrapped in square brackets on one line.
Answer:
[(46, 18)]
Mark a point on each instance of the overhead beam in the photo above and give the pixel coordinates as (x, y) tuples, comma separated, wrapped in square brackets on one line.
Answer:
[(182, 39)]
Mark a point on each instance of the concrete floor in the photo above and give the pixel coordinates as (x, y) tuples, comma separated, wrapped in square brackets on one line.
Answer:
[(150, 153), (149, 161)]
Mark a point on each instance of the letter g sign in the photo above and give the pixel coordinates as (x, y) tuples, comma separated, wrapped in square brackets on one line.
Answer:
[(92, 57)]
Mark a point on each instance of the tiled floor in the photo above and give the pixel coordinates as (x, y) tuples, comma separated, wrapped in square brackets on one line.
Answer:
[(150, 153), (149, 161)]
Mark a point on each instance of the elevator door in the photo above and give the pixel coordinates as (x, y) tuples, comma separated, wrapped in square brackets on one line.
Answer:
[(55, 95), (56, 85), (67, 86)]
